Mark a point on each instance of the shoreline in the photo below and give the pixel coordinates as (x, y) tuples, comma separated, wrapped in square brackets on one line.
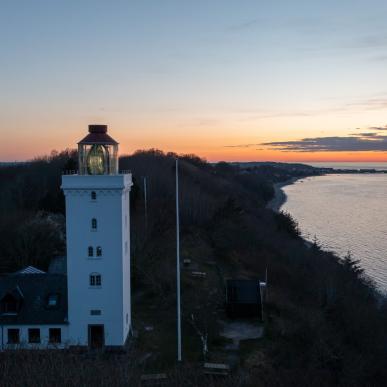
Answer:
[(280, 197)]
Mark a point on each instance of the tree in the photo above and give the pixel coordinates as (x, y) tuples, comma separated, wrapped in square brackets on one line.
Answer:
[(352, 265)]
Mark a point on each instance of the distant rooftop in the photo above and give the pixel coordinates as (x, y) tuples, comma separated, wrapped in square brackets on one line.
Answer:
[(30, 270)]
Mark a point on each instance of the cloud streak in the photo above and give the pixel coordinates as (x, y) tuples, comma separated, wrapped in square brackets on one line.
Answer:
[(364, 134), (371, 140), (242, 146), (378, 127), (332, 144), (360, 105), (243, 25)]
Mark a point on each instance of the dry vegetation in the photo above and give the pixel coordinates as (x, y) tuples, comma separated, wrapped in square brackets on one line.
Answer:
[(62, 368)]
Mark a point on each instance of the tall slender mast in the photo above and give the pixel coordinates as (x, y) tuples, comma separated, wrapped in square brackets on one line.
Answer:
[(178, 265), (145, 205)]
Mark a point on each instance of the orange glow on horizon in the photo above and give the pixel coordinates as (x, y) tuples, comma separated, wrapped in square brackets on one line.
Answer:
[(211, 154), (210, 144), (280, 156), (216, 154)]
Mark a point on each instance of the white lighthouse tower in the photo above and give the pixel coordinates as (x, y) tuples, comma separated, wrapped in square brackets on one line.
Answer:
[(98, 244)]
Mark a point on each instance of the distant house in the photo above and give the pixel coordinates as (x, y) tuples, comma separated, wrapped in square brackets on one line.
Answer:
[(33, 310), (243, 298)]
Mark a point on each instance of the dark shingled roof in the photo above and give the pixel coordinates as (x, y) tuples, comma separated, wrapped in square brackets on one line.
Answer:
[(35, 289)]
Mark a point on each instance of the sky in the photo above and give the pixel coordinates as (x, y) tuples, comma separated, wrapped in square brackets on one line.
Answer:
[(227, 80)]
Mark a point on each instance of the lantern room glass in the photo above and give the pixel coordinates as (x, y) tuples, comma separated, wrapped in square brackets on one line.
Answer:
[(98, 159)]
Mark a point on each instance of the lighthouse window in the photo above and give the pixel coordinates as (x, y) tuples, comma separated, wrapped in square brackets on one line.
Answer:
[(94, 224), (93, 195), (99, 251), (98, 280), (95, 279), (90, 251)]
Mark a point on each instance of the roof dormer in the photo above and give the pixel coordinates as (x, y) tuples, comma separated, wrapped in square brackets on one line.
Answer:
[(11, 302)]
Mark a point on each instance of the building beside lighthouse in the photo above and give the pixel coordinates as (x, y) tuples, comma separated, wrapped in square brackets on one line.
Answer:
[(90, 304)]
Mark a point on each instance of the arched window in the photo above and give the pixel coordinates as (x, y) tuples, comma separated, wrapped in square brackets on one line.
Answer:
[(94, 224), (99, 251), (93, 195), (90, 251), (95, 279)]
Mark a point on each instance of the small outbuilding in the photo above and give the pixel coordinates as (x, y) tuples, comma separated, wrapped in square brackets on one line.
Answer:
[(243, 298)]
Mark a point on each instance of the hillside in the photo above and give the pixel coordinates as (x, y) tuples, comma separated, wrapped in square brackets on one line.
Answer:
[(324, 323)]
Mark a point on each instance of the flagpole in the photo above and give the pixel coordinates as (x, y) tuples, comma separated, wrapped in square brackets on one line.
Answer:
[(178, 265), (145, 205)]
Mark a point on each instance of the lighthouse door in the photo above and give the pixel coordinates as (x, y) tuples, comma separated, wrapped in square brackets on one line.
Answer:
[(96, 336)]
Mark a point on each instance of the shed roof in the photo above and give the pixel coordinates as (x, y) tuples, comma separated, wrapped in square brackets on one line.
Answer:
[(35, 289), (243, 291)]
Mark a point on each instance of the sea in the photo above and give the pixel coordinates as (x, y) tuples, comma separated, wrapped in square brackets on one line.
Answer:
[(346, 213)]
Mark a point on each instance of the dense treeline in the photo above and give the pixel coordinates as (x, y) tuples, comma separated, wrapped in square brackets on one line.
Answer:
[(325, 324), (32, 211)]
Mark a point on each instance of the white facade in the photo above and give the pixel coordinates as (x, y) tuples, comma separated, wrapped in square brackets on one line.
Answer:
[(24, 337), (98, 218)]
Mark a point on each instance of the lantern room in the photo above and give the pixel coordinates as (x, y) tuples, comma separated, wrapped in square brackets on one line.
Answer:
[(98, 152)]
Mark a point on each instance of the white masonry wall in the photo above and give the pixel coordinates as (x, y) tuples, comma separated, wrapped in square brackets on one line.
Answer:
[(23, 336), (111, 209), (126, 288)]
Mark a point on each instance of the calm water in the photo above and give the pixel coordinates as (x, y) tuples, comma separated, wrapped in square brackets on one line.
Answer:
[(345, 213)]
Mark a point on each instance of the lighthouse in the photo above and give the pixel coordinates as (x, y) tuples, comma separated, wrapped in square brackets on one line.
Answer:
[(98, 244)]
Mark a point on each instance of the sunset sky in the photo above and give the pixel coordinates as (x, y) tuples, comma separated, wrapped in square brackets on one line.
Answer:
[(227, 80)]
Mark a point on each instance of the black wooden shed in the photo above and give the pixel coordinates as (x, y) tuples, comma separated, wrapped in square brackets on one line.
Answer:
[(243, 298)]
